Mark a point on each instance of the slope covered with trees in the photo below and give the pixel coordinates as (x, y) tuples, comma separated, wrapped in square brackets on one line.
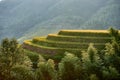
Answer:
[(25, 17), (108, 15)]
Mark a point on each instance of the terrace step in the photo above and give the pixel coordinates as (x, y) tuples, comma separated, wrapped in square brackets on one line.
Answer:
[(47, 50), (73, 41), (78, 45), (93, 33), (82, 39)]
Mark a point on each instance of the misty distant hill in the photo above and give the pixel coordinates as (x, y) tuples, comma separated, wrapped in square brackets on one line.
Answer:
[(27, 18), (108, 15)]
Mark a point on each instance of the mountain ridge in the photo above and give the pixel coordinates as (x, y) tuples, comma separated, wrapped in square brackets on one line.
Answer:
[(28, 18)]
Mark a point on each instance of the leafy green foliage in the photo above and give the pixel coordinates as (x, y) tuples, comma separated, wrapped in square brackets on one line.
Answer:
[(115, 34), (46, 70), (112, 51), (34, 57), (93, 77), (91, 64), (70, 64), (12, 56), (110, 73), (22, 72)]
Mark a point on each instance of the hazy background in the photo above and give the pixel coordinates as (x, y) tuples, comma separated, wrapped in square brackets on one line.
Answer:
[(24, 19)]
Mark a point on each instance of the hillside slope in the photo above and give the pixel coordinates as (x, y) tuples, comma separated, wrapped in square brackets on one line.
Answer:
[(107, 16), (68, 40), (19, 16)]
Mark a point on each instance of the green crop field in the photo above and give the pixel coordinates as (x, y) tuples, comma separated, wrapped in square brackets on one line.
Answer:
[(80, 39), (95, 33), (73, 41)]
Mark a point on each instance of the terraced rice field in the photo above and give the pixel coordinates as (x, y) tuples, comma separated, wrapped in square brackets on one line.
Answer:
[(68, 40)]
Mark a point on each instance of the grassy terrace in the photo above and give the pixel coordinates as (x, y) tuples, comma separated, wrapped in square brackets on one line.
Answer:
[(68, 40), (47, 50), (78, 45), (95, 33), (82, 39)]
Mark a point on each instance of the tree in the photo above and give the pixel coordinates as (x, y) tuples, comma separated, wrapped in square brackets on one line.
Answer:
[(116, 40), (114, 50), (70, 68), (111, 69), (115, 34), (12, 57), (92, 63), (46, 70), (110, 73), (93, 77)]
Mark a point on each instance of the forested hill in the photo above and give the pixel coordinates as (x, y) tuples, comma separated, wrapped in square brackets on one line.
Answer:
[(107, 16), (27, 18)]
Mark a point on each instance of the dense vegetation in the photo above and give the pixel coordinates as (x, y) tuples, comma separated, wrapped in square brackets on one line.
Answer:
[(19, 64), (106, 16)]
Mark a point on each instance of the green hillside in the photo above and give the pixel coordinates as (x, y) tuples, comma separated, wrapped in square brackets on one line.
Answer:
[(108, 15), (73, 41), (53, 25), (24, 19), (102, 18), (27, 18), (44, 58)]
